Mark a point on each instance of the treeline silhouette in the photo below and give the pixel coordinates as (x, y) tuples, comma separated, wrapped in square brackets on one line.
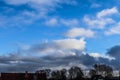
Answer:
[(98, 72)]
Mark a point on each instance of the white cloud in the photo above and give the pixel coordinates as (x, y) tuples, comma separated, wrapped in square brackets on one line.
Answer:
[(80, 32), (57, 48), (114, 30), (98, 55), (98, 23), (102, 18), (62, 53), (78, 44), (107, 12)]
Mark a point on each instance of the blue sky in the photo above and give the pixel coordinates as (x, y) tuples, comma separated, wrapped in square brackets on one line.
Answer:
[(58, 28)]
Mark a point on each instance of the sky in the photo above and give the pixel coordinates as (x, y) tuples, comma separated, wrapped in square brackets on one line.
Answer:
[(39, 34)]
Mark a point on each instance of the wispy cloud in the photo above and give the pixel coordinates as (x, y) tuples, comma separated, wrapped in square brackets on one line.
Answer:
[(106, 20), (80, 32), (98, 23), (33, 10), (102, 18), (107, 12), (70, 22), (52, 22), (114, 30), (95, 5), (58, 21)]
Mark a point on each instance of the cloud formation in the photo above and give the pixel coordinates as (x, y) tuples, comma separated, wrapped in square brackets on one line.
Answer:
[(55, 55), (105, 20)]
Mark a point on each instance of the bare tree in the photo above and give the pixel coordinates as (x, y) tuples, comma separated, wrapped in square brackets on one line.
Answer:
[(92, 72), (75, 72), (103, 69)]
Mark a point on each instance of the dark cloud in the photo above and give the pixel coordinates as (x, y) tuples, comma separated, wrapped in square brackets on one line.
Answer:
[(114, 51), (25, 60), (35, 63)]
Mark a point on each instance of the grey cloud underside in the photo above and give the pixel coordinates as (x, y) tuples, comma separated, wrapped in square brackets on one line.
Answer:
[(114, 51), (10, 64), (32, 64)]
